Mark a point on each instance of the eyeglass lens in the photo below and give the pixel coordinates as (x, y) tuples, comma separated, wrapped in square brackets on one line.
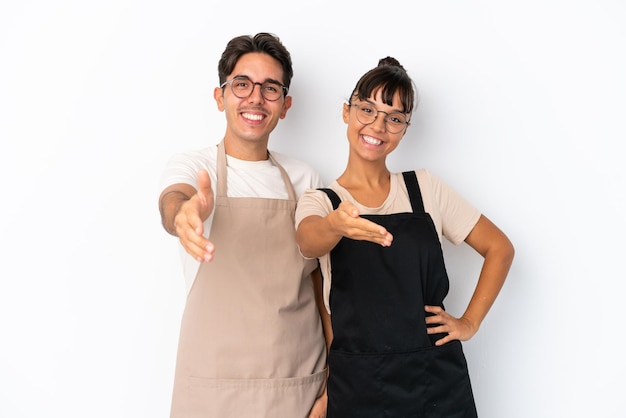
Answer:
[(394, 122), (243, 87)]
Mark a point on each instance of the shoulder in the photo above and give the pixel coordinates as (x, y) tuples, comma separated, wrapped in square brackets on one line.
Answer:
[(425, 176), (290, 163), (312, 202), (454, 215), (425, 179), (192, 159), (199, 156), (430, 183), (183, 167)]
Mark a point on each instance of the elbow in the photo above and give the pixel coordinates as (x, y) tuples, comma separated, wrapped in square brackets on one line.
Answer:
[(507, 252), (313, 238), (500, 251), (305, 249), (307, 254)]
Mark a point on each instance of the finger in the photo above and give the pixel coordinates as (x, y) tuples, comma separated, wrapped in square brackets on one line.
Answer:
[(433, 309), (349, 209), (200, 252), (433, 320), (194, 242), (204, 181), (209, 251), (387, 239), (438, 329), (196, 252), (195, 223), (375, 232), (204, 187), (443, 340)]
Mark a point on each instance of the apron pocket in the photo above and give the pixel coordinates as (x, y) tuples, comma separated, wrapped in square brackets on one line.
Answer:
[(353, 385), (237, 398), (450, 391), (427, 382)]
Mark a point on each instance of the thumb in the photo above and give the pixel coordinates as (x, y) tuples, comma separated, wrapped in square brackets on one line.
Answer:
[(204, 186), (353, 210)]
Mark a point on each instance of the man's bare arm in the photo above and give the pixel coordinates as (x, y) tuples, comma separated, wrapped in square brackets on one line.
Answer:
[(183, 212)]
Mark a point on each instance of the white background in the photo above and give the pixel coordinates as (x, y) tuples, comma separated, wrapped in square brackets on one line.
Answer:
[(522, 111)]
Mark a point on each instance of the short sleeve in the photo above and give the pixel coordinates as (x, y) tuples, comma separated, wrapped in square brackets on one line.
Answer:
[(312, 202), (454, 213)]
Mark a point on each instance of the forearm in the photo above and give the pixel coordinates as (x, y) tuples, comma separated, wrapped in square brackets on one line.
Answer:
[(316, 237), (491, 279), (498, 253), (170, 202)]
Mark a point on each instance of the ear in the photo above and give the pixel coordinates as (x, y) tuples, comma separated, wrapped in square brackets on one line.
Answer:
[(286, 107), (218, 95), (346, 112)]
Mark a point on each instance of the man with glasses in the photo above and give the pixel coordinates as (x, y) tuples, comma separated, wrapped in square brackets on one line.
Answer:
[(251, 341)]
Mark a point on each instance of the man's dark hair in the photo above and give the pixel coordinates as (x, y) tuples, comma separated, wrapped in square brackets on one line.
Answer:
[(263, 42)]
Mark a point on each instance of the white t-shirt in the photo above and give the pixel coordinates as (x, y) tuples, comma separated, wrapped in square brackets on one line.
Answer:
[(244, 179), (453, 216)]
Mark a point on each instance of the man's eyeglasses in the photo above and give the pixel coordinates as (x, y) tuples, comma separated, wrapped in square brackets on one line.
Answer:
[(243, 87), (395, 122)]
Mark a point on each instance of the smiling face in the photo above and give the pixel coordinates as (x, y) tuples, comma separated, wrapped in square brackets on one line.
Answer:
[(250, 120), (372, 142)]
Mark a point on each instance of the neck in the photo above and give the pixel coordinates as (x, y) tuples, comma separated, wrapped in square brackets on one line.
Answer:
[(348, 181), (368, 174), (246, 150)]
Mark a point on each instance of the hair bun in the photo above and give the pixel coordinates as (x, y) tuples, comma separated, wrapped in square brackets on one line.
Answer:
[(389, 61)]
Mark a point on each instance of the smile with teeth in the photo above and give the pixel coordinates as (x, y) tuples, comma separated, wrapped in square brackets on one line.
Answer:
[(372, 141), (252, 116)]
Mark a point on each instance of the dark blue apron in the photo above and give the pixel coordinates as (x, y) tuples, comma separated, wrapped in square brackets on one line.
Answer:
[(382, 362)]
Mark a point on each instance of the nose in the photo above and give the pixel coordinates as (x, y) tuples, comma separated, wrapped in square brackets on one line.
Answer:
[(380, 122), (256, 97)]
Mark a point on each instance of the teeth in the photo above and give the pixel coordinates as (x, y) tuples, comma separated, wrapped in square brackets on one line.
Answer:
[(252, 117), (371, 140)]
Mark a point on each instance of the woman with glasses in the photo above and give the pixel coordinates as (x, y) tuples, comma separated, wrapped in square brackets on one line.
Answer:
[(395, 351)]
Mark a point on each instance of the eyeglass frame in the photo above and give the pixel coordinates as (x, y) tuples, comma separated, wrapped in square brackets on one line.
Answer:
[(284, 88), (407, 123)]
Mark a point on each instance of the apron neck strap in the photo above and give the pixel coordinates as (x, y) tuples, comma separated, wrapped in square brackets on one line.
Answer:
[(415, 195)]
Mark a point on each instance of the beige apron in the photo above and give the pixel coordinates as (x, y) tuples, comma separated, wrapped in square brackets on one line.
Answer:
[(251, 342)]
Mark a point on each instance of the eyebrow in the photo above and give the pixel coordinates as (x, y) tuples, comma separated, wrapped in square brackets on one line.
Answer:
[(394, 110), (267, 80)]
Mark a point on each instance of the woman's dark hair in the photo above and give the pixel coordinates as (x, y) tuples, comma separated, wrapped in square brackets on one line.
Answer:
[(389, 77), (263, 42)]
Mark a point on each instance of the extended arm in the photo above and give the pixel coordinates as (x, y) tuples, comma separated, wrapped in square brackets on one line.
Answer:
[(318, 235), (491, 243), (183, 212)]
